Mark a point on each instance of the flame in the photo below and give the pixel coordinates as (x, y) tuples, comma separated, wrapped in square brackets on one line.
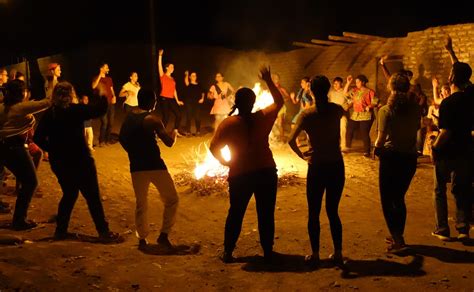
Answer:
[(264, 98)]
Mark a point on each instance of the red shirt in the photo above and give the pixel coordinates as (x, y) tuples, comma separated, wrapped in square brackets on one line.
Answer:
[(107, 83), (247, 141), (168, 86)]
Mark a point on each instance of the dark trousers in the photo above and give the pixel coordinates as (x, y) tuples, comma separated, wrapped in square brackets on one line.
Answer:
[(364, 127), (15, 157), (192, 113), (170, 106), (420, 139), (458, 171), (329, 177), (106, 124), (128, 108), (74, 176), (396, 171), (36, 158), (263, 184)]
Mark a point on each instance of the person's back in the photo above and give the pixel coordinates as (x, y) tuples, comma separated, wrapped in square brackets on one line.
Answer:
[(247, 139), (140, 143), (323, 128)]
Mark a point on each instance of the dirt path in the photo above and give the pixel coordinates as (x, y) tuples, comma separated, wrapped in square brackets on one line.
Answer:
[(74, 265)]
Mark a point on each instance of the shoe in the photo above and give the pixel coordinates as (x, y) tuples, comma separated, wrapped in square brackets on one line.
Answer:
[(164, 241), (463, 236), (444, 236), (110, 237), (312, 261), (25, 225), (5, 209), (337, 258), (142, 243), (396, 247), (226, 257), (367, 155)]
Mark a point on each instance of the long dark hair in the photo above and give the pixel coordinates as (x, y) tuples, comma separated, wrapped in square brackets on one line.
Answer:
[(63, 94), (399, 98), (320, 86)]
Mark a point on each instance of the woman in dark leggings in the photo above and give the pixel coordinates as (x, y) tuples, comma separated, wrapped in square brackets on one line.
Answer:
[(252, 170), (325, 166), (16, 119), (399, 121), (61, 133)]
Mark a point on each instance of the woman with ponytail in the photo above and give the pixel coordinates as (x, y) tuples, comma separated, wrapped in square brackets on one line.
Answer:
[(252, 169), (399, 121)]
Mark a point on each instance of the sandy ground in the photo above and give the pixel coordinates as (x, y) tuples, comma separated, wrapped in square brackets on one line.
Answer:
[(75, 265)]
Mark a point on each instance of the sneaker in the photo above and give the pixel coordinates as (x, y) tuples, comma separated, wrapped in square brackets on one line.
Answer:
[(444, 236), (312, 261), (396, 247), (25, 225), (463, 236), (226, 257), (110, 237)]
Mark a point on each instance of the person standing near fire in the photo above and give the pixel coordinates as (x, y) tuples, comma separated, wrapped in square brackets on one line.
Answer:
[(221, 93), (138, 137), (252, 169), (169, 96)]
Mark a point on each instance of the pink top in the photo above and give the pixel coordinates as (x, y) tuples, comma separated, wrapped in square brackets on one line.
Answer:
[(222, 102)]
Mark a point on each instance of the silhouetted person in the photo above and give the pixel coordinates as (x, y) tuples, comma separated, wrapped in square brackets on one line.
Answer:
[(138, 137), (398, 123), (252, 169), (194, 97), (325, 165), (452, 150), (16, 116), (61, 133)]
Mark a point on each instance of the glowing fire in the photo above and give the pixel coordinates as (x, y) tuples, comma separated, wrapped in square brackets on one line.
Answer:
[(210, 166)]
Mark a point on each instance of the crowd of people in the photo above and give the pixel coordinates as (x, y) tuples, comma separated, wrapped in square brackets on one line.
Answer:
[(327, 113)]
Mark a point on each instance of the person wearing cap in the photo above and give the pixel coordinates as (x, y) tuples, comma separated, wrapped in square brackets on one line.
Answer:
[(54, 72), (452, 150), (104, 82), (252, 169), (362, 101)]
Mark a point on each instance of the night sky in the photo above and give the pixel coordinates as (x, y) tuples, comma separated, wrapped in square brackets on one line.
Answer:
[(51, 26)]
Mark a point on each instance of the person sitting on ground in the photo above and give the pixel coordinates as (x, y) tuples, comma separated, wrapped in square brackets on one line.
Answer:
[(325, 166), (138, 137), (61, 133), (252, 169)]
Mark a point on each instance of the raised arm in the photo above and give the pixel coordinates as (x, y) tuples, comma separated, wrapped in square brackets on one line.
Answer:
[(153, 123), (186, 78), (95, 81), (436, 97), (348, 84), (278, 101), (385, 71), (449, 47), (160, 63)]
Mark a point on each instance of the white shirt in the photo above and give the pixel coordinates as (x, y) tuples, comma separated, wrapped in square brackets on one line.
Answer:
[(337, 97), (132, 96)]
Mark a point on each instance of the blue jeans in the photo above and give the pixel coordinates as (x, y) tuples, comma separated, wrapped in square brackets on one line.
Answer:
[(106, 124), (456, 170)]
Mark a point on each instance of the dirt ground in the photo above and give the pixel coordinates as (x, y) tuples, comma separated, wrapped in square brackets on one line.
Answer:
[(75, 265)]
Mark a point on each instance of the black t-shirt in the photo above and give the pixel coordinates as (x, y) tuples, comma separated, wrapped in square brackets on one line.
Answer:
[(140, 144), (193, 93), (456, 115), (323, 129)]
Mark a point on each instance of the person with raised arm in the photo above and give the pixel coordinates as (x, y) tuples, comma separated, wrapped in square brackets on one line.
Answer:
[(194, 97), (169, 100), (252, 169)]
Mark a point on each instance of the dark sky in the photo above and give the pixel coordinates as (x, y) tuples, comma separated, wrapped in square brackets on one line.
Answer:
[(49, 26)]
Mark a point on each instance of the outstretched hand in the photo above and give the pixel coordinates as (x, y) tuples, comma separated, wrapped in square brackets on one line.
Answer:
[(448, 44), (265, 73)]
